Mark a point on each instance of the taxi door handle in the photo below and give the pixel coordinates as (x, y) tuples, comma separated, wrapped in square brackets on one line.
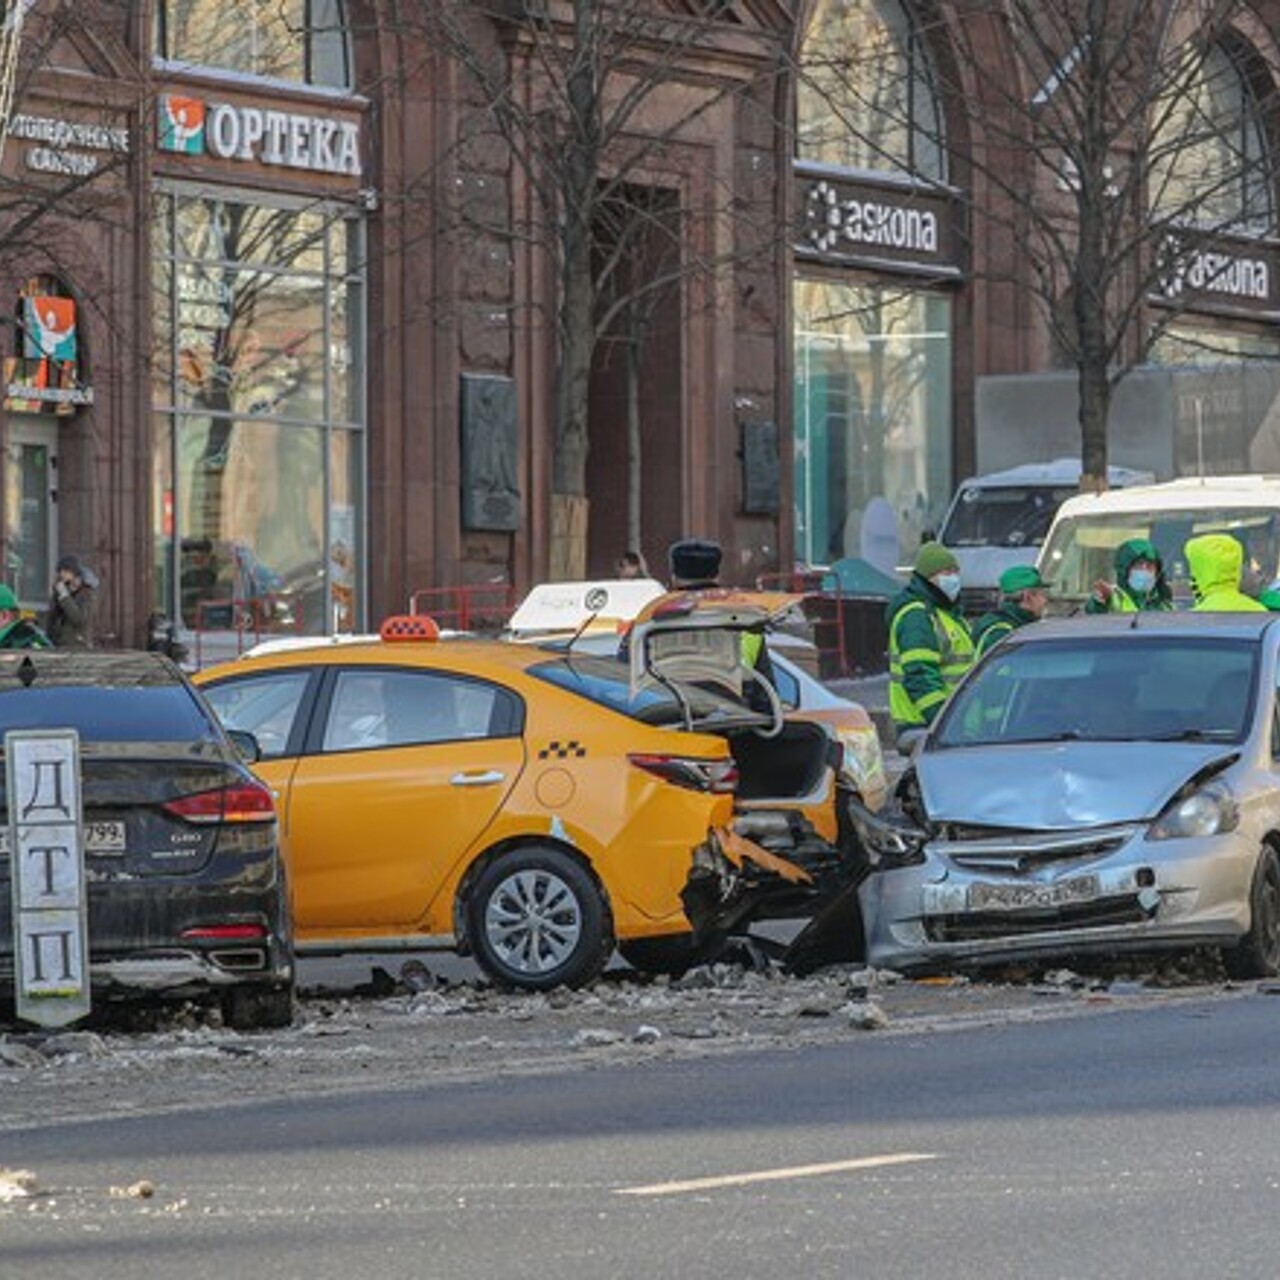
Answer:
[(487, 779)]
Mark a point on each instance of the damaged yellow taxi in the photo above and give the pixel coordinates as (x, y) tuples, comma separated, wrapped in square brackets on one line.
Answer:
[(537, 808)]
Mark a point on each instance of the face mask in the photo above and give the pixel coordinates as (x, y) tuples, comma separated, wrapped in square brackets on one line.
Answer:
[(1142, 580), (948, 584)]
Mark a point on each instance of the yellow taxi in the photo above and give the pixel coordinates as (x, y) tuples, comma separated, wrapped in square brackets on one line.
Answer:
[(532, 807)]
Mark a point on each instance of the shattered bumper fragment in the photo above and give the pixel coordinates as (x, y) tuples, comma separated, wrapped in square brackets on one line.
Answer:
[(735, 882)]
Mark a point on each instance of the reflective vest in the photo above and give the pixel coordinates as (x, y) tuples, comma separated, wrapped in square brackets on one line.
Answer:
[(954, 656)]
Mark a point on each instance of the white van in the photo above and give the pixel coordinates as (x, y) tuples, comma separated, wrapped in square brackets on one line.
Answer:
[(1080, 548), (999, 520)]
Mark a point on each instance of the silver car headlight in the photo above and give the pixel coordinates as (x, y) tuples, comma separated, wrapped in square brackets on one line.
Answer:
[(1210, 811)]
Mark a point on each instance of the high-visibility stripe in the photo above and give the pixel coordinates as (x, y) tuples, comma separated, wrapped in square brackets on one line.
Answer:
[(917, 655)]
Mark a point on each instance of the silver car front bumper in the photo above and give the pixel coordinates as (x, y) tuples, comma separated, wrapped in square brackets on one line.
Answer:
[(1045, 894)]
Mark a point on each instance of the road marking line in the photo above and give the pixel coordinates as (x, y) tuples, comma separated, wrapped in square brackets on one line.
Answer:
[(773, 1175)]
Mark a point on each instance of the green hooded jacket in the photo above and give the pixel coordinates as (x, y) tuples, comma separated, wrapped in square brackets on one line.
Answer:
[(1215, 561), (1124, 599)]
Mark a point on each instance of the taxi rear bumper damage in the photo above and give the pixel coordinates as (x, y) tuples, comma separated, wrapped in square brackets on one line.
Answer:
[(770, 865)]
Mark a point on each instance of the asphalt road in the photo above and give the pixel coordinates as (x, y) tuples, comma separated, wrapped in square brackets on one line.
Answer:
[(1132, 1143)]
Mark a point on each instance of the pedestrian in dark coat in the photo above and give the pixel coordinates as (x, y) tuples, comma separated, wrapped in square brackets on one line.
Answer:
[(69, 622)]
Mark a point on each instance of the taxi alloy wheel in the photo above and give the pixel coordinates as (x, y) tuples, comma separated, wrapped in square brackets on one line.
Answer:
[(538, 920)]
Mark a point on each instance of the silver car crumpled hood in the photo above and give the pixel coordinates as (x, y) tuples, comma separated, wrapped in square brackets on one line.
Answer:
[(1061, 785)]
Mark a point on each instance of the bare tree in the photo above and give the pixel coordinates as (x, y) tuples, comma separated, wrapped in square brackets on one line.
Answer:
[(569, 90), (1114, 147)]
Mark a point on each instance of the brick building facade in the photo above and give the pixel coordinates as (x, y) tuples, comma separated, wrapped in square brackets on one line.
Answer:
[(281, 346)]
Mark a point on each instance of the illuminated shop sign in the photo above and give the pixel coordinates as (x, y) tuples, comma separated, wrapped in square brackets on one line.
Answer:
[(45, 378), (1218, 273), (292, 140), (833, 221), (841, 219), (72, 147)]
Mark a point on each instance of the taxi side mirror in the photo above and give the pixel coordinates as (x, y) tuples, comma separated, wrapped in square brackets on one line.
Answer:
[(246, 745)]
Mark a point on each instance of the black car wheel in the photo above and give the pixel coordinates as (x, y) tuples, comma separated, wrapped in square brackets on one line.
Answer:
[(1258, 953), (538, 920), (257, 1008)]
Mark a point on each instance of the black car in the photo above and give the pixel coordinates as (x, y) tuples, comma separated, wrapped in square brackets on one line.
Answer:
[(185, 885)]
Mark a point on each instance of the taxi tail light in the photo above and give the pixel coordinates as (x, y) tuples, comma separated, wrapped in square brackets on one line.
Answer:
[(719, 777), (225, 933), (243, 802)]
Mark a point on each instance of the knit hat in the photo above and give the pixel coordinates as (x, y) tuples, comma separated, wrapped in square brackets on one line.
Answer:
[(71, 564), (933, 558), (695, 560), (7, 599), (1022, 577)]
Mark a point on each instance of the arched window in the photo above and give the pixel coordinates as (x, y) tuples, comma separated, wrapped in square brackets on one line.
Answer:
[(1211, 164), (303, 41), (867, 94)]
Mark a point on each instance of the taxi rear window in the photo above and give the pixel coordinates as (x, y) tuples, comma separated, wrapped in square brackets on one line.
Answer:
[(607, 682)]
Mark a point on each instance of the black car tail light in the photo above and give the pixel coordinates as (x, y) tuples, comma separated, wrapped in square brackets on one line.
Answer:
[(241, 802), (720, 777)]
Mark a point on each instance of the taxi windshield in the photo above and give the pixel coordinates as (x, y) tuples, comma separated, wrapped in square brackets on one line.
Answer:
[(1154, 688), (1081, 549)]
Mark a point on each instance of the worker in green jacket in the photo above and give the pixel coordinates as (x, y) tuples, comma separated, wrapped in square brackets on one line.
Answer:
[(1216, 563), (1140, 584), (17, 632), (1024, 598), (930, 645)]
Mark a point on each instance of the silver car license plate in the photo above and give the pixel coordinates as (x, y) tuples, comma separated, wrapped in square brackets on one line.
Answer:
[(99, 837), (1016, 897)]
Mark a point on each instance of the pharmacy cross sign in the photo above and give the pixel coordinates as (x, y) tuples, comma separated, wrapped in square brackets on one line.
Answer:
[(50, 927)]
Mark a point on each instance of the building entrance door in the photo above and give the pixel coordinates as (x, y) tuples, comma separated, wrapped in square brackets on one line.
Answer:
[(30, 509)]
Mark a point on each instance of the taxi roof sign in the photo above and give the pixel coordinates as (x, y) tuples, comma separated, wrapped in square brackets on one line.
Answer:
[(565, 606), (409, 626)]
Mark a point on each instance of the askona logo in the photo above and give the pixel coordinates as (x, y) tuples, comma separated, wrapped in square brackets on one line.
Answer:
[(181, 124)]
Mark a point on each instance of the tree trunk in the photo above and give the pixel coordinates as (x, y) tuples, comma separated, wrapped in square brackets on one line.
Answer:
[(577, 313), (634, 454), (569, 515), (1095, 406)]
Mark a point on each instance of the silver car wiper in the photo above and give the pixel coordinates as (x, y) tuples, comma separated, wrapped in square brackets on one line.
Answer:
[(1192, 735)]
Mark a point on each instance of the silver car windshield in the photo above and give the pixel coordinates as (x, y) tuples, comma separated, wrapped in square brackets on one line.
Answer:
[(1108, 688)]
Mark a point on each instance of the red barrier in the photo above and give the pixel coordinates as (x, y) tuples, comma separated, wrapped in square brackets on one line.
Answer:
[(479, 607), (241, 622)]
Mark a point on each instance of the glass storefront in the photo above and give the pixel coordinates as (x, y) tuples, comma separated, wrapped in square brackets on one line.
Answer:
[(259, 425), (872, 419)]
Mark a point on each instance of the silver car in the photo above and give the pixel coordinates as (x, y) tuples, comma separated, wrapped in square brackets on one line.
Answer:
[(1095, 785)]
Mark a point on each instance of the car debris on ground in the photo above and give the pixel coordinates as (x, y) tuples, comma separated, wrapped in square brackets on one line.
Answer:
[(400, 1030)]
